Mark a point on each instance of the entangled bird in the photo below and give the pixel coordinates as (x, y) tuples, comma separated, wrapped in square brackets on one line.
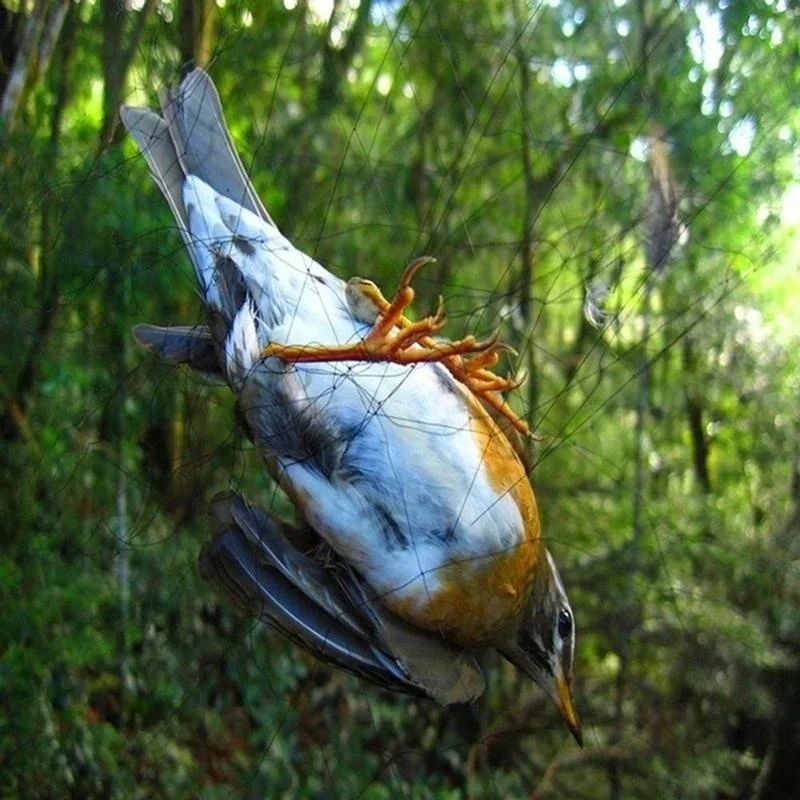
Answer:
[(421, 542)]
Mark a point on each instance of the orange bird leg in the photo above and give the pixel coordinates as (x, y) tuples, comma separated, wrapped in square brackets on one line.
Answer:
[(498, 384), (481, 363), (439, 351), (397, 348), (393, 316), (396, 339), (392, 313)]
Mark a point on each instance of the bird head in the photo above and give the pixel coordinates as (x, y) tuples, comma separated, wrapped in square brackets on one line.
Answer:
[(542, 644)]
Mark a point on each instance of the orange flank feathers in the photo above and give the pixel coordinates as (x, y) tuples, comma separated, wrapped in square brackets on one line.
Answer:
[(472, 600), (475, 599)]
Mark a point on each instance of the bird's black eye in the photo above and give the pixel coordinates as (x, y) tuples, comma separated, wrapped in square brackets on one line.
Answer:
[(564, 624)]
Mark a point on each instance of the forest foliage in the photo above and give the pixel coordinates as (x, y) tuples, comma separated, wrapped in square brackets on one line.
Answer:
[(615, 187)]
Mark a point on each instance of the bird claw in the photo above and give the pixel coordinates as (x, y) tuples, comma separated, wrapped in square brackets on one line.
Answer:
[(410, 272)]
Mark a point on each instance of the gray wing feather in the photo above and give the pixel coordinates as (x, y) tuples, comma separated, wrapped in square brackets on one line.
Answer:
[(181, 344), (256, 575), (265, 534), (259, 590), (332, 613)]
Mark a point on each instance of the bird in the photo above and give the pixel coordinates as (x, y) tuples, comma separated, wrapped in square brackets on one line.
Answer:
[(420, 543)]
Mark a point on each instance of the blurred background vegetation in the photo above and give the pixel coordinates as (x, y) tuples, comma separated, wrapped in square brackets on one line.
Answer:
[(614, 186)]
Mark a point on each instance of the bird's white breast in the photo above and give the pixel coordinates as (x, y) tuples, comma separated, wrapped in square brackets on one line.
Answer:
[(411, 492)]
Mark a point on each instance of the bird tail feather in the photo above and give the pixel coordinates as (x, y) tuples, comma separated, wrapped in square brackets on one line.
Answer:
[(190, 154), (191, 137)]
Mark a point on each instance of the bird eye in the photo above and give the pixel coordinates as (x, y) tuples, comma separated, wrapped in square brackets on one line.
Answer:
[(564, 624)]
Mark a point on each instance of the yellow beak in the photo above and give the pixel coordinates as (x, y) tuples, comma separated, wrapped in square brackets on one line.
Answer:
[(567, 707)]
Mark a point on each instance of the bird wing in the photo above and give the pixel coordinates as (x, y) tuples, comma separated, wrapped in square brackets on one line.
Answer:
[(323, 606), (192, 345)]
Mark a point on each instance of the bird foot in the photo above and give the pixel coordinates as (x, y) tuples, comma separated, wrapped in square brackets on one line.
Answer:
[(396, 339)]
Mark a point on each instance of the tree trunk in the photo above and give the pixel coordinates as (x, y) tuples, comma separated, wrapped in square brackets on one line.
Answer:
[(694, 414), (41, 33), (119, 49), (13, 422), (628, 615), (778, 774), (198, 20)]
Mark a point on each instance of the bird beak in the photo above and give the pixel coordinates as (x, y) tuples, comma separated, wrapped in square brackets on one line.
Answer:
[(554, 683), (566, 705)]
